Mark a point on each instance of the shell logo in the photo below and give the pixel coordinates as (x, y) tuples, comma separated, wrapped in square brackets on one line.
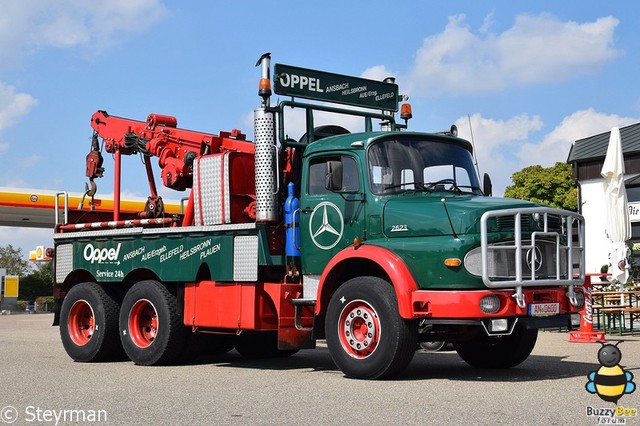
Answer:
[(40, 253)]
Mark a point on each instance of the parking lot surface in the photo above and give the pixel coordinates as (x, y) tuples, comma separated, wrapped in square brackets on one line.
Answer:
[(42, 385)]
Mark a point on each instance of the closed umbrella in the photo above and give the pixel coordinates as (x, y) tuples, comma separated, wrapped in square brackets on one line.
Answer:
[(618, 225)]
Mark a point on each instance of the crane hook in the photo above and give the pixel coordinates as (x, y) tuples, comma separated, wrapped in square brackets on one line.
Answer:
[(90, 192)]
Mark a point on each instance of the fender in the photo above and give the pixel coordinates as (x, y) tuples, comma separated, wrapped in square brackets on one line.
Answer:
[(398, 272)]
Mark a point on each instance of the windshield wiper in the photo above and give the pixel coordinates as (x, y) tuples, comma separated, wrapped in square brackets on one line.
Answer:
[(442, 182), (418, 186), (472, 188)]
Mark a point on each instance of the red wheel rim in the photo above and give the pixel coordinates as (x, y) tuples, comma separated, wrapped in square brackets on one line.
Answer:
[(359, 329), (81, 322), (143, 323)]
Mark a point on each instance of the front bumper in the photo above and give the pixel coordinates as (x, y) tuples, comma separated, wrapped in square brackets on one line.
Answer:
[(445, 304)]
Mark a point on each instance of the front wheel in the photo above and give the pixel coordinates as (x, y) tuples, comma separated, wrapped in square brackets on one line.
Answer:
[(151, 328), (366, 336), (500, 351)]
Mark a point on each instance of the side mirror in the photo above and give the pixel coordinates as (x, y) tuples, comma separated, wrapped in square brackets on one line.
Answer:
[(333, 176), (487, 187)]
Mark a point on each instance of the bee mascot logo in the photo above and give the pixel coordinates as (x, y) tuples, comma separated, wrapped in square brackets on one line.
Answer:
[(610, 381)]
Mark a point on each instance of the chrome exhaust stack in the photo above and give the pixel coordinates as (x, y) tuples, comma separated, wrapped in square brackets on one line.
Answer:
[(267, 167)]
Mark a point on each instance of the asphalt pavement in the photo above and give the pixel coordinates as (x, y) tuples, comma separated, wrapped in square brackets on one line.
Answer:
[(40, 384)]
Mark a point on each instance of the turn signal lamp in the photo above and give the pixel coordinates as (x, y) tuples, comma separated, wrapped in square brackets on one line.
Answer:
[(452, 262), (357, 242), (264, 88)]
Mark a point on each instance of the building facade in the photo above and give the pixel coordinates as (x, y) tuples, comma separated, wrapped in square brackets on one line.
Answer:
[(587, 157)]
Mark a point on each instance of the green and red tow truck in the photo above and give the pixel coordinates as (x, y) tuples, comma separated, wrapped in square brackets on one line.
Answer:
[(373, 241)]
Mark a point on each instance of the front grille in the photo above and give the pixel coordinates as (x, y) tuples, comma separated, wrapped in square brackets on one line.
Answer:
[(528, 222), (547, 248), (539, 261)]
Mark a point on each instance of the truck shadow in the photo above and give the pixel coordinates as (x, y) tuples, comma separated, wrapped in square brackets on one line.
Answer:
[(536, 368), (424, 366)]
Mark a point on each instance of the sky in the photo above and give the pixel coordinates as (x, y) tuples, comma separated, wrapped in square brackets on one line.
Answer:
[(525, 79)]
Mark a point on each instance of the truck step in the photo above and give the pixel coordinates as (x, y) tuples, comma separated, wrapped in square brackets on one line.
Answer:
[(298, 304)]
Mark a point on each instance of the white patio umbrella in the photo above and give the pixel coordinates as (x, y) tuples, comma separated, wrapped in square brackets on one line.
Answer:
[(616, 210)]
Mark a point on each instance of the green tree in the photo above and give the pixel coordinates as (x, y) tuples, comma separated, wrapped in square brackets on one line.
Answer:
[(554, 186), (39, 283), (13, 261)]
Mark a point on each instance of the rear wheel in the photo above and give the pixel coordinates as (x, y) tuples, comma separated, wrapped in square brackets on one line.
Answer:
[(366, 336), (89, 324), (151, 328), (498, 352)]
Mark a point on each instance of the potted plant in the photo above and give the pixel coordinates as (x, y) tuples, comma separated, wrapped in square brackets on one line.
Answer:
[(603, 270)]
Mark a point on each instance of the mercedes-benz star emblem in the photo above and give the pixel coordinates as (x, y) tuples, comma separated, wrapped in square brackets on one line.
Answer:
[(329, 225), (534, 257)]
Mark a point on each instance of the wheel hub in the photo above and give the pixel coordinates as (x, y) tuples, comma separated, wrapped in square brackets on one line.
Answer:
[(143, 323), (359, 329), (81, 322)]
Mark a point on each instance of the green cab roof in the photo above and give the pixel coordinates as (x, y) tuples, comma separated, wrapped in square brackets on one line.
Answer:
[(346, 141)]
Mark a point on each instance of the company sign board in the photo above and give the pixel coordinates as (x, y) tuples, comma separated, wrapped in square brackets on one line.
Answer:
[(170, 258), (337, 88)]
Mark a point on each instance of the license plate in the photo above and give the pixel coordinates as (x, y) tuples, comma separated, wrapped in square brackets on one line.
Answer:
[(544, 309)]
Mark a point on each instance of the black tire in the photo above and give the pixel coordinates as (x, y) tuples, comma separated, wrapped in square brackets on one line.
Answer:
[(366, 336), (498, 352), (89, 324), (261, 344), (151, 327)]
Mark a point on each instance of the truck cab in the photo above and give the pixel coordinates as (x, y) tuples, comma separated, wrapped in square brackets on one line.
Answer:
[(406, 208)]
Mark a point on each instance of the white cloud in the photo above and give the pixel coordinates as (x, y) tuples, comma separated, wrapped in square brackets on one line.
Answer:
[(504, 146), (487, 23), (13, 105), (29, 25), (536, 49), (555, 145), (494, 139), (378, 73)]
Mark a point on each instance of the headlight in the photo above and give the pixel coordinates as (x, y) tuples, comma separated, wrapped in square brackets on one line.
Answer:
[(490, 304)]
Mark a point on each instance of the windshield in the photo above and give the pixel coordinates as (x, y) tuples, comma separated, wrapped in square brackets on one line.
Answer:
[(421, 165)]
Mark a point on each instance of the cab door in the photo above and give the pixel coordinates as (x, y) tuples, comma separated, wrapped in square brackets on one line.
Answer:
[(331, 209)]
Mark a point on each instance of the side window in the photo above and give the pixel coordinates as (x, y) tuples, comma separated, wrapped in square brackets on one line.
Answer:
[(350, 175), (318, 170)]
